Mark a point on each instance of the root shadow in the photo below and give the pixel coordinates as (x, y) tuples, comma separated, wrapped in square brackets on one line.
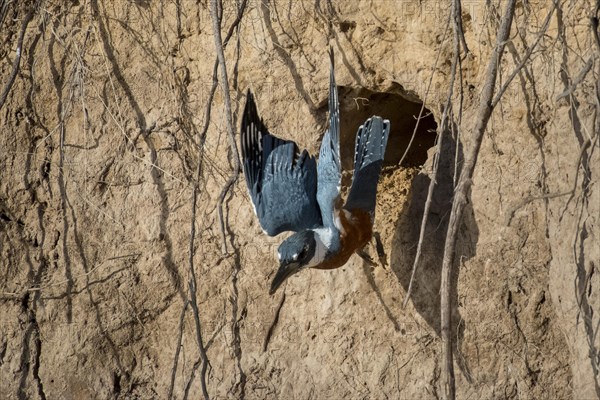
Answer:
[(426, 287)]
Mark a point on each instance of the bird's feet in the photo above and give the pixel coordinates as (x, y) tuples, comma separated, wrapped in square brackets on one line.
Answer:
[(380, 252), (366, 257)]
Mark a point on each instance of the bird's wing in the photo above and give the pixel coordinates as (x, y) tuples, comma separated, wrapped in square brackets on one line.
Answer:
[(329, 168), (371, 140), (282, 181)]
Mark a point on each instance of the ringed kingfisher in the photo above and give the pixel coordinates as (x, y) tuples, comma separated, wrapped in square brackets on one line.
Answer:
[(290, 191)]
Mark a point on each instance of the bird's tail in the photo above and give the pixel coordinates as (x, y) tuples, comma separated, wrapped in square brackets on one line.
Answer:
[(371, 140)]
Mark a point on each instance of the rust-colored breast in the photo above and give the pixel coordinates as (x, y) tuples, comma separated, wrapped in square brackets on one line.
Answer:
[(357, 231)]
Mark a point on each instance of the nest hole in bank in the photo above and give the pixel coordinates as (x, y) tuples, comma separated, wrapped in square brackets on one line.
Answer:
[(401, 108)]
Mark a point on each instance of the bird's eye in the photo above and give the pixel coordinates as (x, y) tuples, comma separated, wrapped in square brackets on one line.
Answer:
[(302, 253)]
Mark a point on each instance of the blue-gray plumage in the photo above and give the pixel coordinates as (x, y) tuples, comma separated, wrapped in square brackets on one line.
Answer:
[(281, 180), (329, 169), (371, 141), (290, 192)]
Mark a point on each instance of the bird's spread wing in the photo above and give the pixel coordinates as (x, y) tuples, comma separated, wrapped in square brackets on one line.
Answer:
[(329, 168), (371, 141), (282, 181)]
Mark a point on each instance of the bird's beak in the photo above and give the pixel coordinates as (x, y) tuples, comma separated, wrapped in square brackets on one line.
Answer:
[(285, 271)]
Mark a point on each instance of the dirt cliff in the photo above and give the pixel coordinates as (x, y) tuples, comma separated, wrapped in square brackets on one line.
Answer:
[(111, 112)]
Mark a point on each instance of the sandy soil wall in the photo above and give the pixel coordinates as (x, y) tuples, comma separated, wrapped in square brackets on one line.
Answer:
[(102, 134)]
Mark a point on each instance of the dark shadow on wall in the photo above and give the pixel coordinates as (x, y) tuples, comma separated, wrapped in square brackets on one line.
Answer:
[(426, 288), (402, 109)]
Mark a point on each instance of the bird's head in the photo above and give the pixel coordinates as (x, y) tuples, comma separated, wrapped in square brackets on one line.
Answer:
[(295, 254)]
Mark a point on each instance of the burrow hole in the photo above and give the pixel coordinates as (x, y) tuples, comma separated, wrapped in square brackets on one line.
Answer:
[(402, 109)]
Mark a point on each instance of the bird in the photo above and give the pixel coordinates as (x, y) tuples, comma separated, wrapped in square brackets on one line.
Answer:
[(290, 191)]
